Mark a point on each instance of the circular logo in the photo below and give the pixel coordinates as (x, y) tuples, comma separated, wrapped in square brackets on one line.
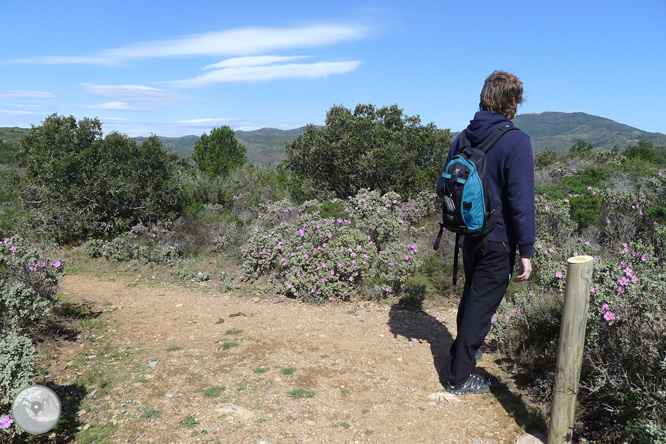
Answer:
[(36, 409)]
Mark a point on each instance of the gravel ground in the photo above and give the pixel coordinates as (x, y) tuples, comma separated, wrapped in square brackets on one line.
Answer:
[(177, 365)]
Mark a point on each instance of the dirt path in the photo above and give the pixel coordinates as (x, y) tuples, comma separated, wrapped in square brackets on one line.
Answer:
[(180, 366)]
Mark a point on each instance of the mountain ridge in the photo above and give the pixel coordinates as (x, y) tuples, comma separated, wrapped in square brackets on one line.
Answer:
[(555, 130)]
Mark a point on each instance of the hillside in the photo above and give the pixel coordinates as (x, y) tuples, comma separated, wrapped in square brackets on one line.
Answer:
[(555, 130), (559, 131)]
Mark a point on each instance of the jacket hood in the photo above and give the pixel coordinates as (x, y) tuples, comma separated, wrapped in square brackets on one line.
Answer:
[(482, 125)]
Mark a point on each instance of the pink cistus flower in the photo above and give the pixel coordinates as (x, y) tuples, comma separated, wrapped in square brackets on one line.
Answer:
[(6, 422), (57, 264), (609, 316)]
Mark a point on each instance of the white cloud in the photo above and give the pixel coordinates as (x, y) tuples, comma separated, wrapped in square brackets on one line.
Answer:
[(115, 106), (13, 112), (19, 94), (252, 61), (271, 72), (235, 42), (132, 97)]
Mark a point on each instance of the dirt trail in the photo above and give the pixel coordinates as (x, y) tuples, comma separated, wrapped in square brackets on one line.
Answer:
[(370, 369)]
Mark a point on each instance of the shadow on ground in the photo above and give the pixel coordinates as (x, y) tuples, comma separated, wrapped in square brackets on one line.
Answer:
[(420, 326)]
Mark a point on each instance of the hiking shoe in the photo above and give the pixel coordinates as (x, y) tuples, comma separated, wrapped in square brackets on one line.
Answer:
[(478, 356), (473, 384)]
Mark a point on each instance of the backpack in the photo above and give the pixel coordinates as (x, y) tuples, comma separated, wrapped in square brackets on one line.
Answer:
[(467, 200)]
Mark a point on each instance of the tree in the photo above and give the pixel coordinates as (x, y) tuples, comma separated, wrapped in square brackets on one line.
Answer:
[(581, 150), (219, 153), (545, 158), (369, 148), (75, 183), (643, 151)]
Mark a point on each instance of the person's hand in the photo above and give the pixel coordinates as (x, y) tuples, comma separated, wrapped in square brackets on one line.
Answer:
[(524, 269)]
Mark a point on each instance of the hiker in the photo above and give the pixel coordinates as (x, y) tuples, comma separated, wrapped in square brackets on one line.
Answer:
[(489, 261)]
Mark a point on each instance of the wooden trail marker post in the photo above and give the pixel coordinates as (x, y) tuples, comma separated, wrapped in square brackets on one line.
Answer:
[(570, 349)]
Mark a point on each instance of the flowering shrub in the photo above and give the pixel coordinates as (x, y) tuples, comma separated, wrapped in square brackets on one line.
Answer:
[(318, 258), (28, 282), (622, 396), (144, 243)]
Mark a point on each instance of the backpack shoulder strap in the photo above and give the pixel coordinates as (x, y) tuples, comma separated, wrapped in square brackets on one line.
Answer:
[(463, 141), (489, 141)]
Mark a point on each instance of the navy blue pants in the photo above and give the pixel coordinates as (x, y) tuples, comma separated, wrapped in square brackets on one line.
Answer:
[(488, 267)]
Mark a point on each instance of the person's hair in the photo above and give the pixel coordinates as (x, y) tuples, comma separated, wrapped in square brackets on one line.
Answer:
[(501, 94)]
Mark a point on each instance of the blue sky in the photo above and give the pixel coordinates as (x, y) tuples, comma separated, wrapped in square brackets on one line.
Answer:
[(175, 68)]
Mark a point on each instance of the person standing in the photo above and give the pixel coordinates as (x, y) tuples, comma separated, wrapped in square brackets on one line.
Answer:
[(489, 262)]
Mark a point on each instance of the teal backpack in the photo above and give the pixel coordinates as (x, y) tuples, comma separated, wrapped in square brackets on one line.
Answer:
[(467, 200)]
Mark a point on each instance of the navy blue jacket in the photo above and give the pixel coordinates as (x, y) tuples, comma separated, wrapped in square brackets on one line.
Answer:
[(510, 169)]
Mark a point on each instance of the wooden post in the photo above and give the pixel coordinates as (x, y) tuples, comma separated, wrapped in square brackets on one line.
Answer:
[(570, 350)]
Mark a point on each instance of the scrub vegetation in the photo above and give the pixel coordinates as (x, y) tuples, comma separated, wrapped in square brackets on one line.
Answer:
[(349, 215)]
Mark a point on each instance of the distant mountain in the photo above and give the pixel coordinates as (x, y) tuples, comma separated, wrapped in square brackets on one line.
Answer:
[(559, 131), (181, 145), (267, 145), (555, 130)]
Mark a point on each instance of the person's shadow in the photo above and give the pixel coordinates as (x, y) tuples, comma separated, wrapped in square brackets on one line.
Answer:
[(420, 326)]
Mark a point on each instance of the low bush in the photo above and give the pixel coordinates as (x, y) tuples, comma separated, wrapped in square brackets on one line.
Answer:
[(28, 283), (143, 243), (318, 258)]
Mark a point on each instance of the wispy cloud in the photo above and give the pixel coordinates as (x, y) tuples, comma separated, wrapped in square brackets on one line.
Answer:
[(235, 42), (132, 97), (253, 61), (20, 94), (270, 72)]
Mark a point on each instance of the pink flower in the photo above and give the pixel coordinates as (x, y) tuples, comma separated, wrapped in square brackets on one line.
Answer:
[(558, 275), (6, 422), (609, 316), (605, 308), (593, 289), (57, 264), (644, 258)]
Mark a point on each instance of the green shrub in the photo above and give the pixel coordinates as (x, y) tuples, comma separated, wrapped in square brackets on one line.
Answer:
[(144, 243), (379, 148), (585, 210), (17, 362), (76, 184)]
